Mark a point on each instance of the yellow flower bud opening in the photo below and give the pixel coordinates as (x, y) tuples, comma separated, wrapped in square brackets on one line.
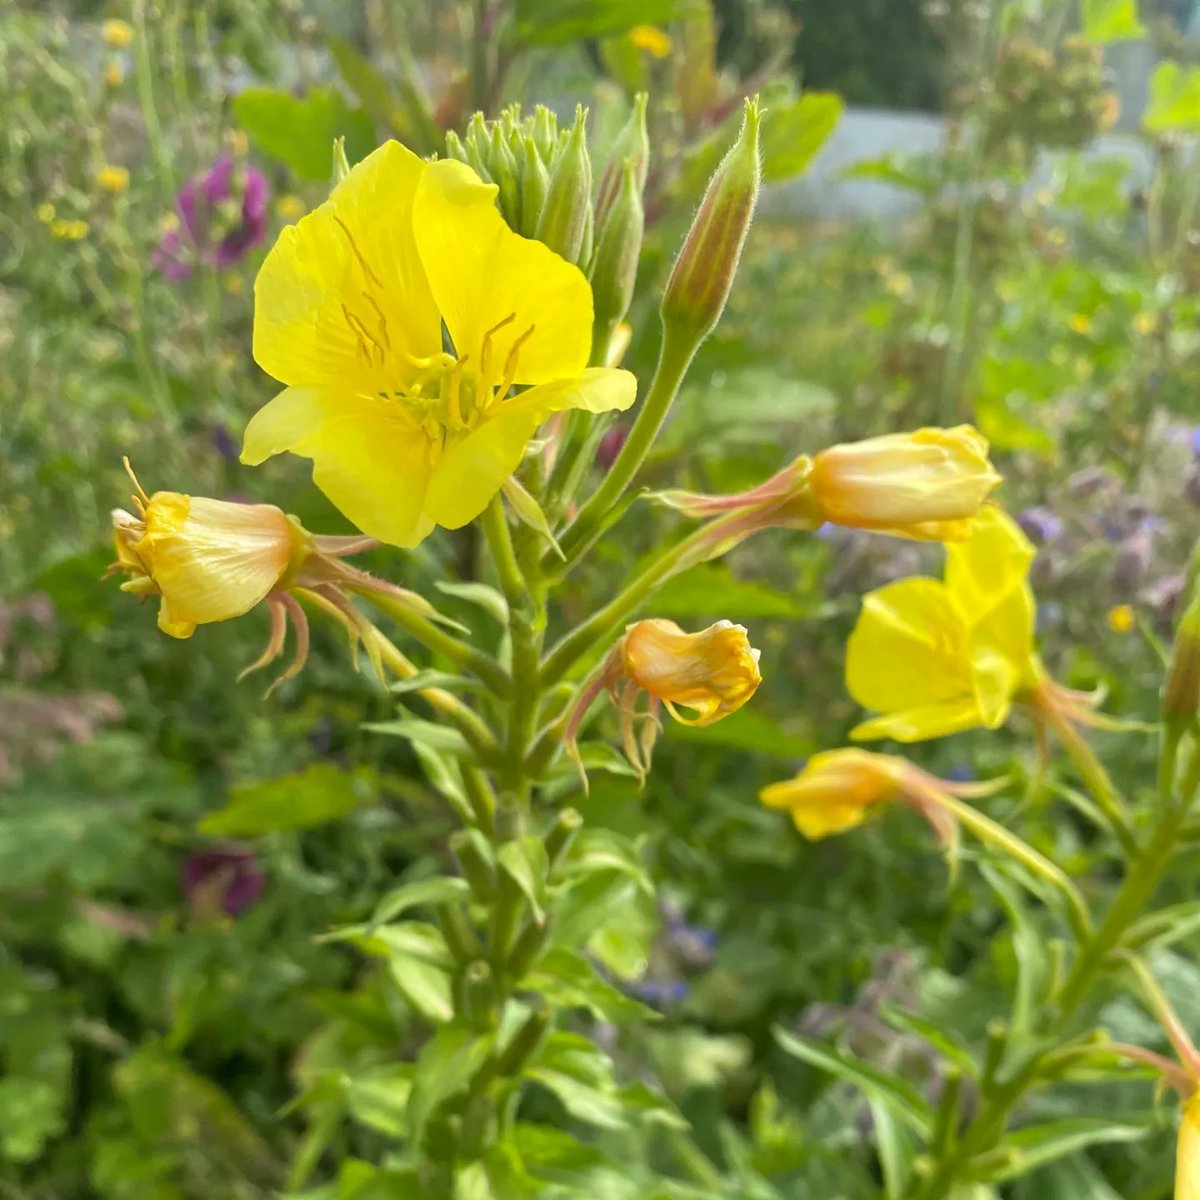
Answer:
[(835, 790), (209, 560), (926, 485), (712, 673)]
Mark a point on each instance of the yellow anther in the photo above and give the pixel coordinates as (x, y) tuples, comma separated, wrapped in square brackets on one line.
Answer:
[(486, 350)]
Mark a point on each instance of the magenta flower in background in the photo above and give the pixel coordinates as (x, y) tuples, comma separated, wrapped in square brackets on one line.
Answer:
[(222, 213), (226, 878), (610, 446)]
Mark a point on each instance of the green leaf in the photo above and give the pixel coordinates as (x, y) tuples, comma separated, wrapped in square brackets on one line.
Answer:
[(584, 1101), (1029, 950), (524, 861), (482, 595), (569, 980), (900, 1096), (711, 589), (31, 1112), (300, 131), (1174, 104), (1111, 21), (894, 1145), (437, 890), (445, 1066), (748, 729), (320, 793), (1036, 1145), (429, 734), (936, 1035), (600, 756), (793, 136), (378, 1098), (432, 679), (549, 22)]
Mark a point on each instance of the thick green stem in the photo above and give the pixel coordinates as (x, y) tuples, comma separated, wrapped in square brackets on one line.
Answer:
[(674, 358)]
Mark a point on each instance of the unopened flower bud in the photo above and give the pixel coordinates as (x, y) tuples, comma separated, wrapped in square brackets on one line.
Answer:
[(632, 146), (503, 168), (614, 269), (455, 148), (926, 485), (535, 186), (545, 132), (565, 214), (713, 672), (703, 273), (1181, 692)]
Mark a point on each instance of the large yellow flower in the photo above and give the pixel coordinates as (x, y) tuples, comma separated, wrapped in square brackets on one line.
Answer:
[(400, 314), (939, 656), (1187, 1154)]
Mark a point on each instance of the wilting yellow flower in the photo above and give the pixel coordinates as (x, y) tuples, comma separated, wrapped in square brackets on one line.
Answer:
[(1187, 1152), (835, 790), (117, 34), (113, 179), (290, 207), (713, 672), (350, 305), (656, 42), (939, 656), (1122, 618), (114, 74), (925, 485), (209, 560)]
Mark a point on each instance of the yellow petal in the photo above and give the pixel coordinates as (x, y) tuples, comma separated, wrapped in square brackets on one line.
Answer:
[(368, 457), (1187, 1154), (908, 648), (342, 297), (473, 470), (990, 564), (482, 274), (922, 722)]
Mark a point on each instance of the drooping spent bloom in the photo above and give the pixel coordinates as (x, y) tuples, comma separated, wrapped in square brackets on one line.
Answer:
[(938, 656), (404, 432), (711, 674), (926, 485), (222, 215), (836, 790), (225, 879), (212, 560)]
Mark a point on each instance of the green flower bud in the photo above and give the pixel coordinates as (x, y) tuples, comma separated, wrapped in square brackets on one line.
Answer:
[(563, 223), (475, 861), (461, 938), (562, 834), (632, 146), (503, 167), (615, 266), (535, 185), (479, 147), (703, 273), (545, 133), (527, 1041), (455, 148), (476, 992), (341, 165)]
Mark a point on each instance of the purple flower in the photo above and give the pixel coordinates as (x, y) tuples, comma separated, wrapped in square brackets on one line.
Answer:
[(222, 441), (227, 878), (223, 213), (610, 447), (1194, 441), (1040, 524), (962, 773)]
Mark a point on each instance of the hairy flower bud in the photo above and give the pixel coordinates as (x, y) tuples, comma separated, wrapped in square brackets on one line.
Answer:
[(926, 485), (632, 146), (703, 274), (614, 269), (565, 215), (535, 187), (713, 672), (1181, 692)]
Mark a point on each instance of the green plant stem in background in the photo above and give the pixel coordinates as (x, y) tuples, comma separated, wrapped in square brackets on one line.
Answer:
[(674, 358)]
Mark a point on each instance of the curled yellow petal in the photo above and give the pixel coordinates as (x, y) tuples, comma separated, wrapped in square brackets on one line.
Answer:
[(835, 790)]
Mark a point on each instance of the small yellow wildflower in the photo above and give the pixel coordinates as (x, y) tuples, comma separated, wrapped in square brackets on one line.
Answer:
[(68, 231), (936, 656), (925, 485), (1122, 618), (1145, 323), (117, 34), (114, 180), (114, 75), (349, 311), (1080, 323), (713, 672), (654, 41), (233, 283), (168, 222), (237, 142), (899, 284), (46, 212), (290, 207)]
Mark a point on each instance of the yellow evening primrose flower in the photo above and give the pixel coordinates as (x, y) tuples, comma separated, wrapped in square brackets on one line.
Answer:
[(117, 33), (113, 179), (407, 432), (926, 485), (654, 41), (290, 207), (835, 790), (1122, 618), (939, 656), (713, 672)]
